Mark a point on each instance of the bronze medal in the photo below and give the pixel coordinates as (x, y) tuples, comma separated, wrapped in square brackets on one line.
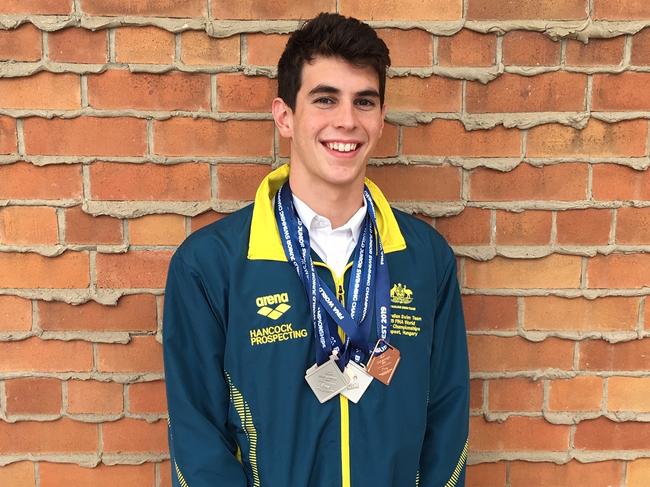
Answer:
[(382, 367)]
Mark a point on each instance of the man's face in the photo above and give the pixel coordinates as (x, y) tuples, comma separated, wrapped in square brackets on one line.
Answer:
[(337, 122)]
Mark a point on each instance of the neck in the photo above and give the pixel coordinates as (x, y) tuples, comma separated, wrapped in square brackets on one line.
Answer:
[(337, 204)]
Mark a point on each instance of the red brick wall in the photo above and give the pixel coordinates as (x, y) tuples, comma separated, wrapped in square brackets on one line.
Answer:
[(124, 126)]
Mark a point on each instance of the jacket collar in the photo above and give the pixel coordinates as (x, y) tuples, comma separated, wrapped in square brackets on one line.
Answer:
[(264, 241)]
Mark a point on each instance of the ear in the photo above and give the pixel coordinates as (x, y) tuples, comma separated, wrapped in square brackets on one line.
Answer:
[(283, 116)]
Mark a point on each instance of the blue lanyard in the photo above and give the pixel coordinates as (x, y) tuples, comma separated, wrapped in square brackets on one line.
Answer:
[(369, 282)]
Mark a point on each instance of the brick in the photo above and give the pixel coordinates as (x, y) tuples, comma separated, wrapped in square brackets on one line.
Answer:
[(417, 183), (575, 394), (23, 180), (432, 94), (467, 48), (621, 10), (554, 271), (490, 312), (239, 181), (94, 397), (603, 434), (77, 45), (265, 49), (638, 472), (449, 138), (36, 7), (33, 396), (199, 221), (476, 394), (19, 474), (240, 93), (583, 227), (141, 354), (555, 313), (600, 355), (616, 182), (144, 45), (86, 136), (633, 226), (121, 89), (534, 474), (526, 228), (404, 10), (27, 270), (28, 225), (46, 91), (82, 228), (157, 230), (387, 145), (135, 435), (20, 44), (641, 48), (64, 475), (501, 354), (154, 8), (61, 436), (147, 398), (258, 10), (197, 48), (470, 227), (518, 434), (135, 269), (628, 394), (516, 394), (595, 52), (622, 139), (34, 354), (15, 313), (618, 271), (413, 47), (149, 182), (517, 10), (8, 135), (187, 136), (525, 48), (134, 312), (549, 92), (486, 475), (621, 92)]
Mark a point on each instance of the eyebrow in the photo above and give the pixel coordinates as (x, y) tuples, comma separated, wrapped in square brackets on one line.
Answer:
[(320, 89)]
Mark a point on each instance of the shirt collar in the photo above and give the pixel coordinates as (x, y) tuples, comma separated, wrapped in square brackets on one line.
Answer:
[(310, 218)]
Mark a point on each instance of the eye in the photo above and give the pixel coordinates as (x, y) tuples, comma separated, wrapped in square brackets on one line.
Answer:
[(366, 103), (324, 100)]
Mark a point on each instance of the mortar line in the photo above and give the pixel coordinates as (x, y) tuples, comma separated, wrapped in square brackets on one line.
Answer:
[(111, 46), (612, 227), (92, 254), (159, 315), (76, 6), (583, 273), (590, 182), (177, 49), (400, 140), (3, 400), (498, 55), (126, 232), (590, 8), (641, 322), (37, 473), (563, 45), (83, 86), (188, 226), (589, 94), (95, 358), (546, 392), (85, 182), (209, 9), (627, 52), (213, 93), (647, 145), (521, 315), (464, 6), (625, 467), (60, 220), (20, 136), (493, 227), (126, 403), (243, 49), (214, 187), (150, 147), (463, 98), (157, 478), (553, 227), (576, 356), (435, 58), (464, 185), (486, 391), (508, 463), (524, 144), (35, 328), (604, 397), (64, 396), (45, 47)]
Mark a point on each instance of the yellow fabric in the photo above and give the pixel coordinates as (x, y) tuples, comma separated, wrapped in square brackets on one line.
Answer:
[(264, 241)]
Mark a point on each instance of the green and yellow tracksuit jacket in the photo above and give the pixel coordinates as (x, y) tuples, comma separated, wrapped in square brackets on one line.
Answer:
[(238, 339)]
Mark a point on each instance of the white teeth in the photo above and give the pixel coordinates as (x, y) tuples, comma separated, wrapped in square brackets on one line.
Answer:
[(341, 147)]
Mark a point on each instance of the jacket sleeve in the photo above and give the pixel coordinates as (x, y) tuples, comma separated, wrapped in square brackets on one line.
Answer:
[(444, 452), (202, 449)]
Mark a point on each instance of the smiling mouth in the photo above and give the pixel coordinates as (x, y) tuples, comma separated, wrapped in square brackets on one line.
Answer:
[(341, 149)]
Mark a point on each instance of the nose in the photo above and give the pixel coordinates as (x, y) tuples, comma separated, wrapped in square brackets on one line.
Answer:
[(346, 117)]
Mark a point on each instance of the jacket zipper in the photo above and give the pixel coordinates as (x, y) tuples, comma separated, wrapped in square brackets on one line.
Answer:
[(343, 401)]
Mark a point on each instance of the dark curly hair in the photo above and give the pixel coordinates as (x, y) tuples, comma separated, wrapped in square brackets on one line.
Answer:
[(328, 35)]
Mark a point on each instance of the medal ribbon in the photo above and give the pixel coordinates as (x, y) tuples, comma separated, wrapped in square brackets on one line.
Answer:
[(369, 281)]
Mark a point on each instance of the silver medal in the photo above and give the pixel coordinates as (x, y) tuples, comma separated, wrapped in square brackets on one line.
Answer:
[(326, 380), (359, 381)]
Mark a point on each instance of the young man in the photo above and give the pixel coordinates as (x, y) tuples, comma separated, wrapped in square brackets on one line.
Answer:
[(316, 338)]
